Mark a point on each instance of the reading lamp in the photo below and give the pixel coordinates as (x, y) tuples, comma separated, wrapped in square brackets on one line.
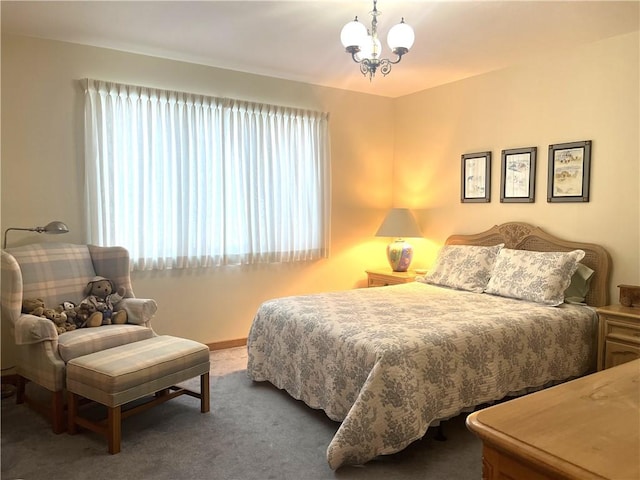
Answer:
[(399, 223), (51, 227)]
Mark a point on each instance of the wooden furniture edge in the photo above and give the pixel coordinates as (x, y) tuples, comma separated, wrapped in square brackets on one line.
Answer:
[(527, 455)]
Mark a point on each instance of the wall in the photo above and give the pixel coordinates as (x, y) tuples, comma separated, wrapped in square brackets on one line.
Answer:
[(42, 177), (587, 94)]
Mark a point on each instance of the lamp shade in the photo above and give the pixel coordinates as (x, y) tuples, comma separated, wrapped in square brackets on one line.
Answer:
[(353, 34), (55, 227), (399, 223), (401, 36)]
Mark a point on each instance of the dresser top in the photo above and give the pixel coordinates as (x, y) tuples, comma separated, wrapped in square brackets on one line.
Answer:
[(587, 428)]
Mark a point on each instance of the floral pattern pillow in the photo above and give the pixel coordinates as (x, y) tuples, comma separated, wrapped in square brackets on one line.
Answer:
[(464, 267), (540, 277)]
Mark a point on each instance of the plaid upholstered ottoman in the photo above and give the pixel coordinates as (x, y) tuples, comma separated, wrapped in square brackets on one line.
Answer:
[(122, 374)]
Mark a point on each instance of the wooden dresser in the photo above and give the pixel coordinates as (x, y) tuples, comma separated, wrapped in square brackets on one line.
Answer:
[(585, 429)]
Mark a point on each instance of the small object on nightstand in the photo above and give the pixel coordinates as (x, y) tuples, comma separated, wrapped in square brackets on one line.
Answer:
[(421, 271), (629, 295), (619, 335), (384, 277)]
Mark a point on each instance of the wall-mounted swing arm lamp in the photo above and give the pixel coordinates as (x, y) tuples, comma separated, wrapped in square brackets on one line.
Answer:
[(54, 227)]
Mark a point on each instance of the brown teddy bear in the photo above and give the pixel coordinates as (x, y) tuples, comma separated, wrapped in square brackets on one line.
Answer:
[(87, 316), (33, 306), (69, 309), (59, 319), (101, 298)]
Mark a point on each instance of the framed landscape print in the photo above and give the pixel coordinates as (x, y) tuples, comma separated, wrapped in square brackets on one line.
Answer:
[(476, 178), (517, 181), (569, 166)]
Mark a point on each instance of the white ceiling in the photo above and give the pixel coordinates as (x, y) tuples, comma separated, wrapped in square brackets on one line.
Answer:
[(299, 39)]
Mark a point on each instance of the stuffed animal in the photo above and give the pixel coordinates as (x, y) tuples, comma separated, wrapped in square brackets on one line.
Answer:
[(101, 293), (33, 306), (59, 319), (87, 315), (69, 309)]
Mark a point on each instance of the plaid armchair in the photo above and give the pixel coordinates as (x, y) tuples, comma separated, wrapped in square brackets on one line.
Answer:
[(58, 272)]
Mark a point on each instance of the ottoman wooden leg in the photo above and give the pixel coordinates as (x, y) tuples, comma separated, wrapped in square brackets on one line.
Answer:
[(114, 422), (204, 392)]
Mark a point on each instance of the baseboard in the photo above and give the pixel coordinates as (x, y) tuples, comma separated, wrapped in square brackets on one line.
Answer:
[(239, 342)]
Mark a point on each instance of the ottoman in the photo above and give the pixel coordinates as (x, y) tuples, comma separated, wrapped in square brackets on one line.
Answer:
[(119, 375)]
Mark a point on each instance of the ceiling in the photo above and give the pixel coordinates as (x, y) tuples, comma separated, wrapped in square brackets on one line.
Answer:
[(300, 39)]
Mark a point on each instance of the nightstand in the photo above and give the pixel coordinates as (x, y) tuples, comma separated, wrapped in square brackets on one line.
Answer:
[(384, 277), (619, 335)]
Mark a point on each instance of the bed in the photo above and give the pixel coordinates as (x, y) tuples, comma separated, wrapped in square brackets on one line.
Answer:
[(390, 362)]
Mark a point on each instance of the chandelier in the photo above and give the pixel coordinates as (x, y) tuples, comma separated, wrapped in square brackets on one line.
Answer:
[(366, 49)]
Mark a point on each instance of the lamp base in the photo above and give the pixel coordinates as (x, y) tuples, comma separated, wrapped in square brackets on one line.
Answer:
[(399, 254)]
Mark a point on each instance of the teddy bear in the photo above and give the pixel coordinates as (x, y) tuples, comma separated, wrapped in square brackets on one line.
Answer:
[(87, 315), (33, 306), (36, 306), (69, 309), (59, 319), (101, 294)]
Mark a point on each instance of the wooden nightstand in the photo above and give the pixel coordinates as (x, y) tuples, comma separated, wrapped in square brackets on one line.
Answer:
[(619, 335), (382, 278)]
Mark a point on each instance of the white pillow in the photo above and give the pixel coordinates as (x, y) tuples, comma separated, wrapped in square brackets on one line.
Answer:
[(465, 267), (540, 277)]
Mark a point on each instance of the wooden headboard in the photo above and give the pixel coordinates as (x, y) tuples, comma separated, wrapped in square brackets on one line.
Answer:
[(522, 236)]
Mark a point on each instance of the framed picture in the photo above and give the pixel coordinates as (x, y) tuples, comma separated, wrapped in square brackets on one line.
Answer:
[(569, 166), (476, 178), (518, 179)]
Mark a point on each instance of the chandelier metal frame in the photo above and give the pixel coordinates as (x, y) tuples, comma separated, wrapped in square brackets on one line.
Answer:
[(369, 66)]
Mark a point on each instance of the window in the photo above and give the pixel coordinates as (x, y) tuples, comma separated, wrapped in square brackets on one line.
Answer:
[(185, 180)]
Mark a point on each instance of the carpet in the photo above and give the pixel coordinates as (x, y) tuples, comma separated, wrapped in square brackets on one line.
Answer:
[(253, 432)]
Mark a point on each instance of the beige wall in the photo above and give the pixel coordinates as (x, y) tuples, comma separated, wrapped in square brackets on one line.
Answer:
[(42, 177), (588, 94), (585, 94)]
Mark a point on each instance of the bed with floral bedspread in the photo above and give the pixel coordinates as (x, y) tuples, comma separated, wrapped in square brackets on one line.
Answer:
[(388, 362)]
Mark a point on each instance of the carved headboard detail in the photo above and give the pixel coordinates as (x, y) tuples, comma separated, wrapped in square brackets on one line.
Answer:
[(522, 236)]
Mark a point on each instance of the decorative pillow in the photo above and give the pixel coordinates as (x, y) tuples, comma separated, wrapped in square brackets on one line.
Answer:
[(540, 277), (465, 267), (579, 286)]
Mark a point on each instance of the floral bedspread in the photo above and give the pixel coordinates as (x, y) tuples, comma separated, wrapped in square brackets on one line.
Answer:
[(387, 362)]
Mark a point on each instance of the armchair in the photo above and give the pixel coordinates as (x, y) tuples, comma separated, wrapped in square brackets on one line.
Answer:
[(58, 272)]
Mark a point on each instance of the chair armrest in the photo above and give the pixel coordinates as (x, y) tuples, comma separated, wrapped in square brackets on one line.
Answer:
[(30, 329), (139, 310)]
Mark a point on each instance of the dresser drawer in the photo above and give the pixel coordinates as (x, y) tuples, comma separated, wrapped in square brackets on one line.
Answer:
[(616, 329), (618, 353)]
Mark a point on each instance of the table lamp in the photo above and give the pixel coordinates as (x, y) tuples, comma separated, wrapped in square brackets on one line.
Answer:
[(399, 223)]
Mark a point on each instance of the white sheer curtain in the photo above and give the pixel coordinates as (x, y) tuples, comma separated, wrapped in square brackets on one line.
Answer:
[(185, 180)]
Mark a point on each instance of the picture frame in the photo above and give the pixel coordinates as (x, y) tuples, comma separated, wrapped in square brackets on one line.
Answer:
[(476, 178), (518, 175), (569, 172)]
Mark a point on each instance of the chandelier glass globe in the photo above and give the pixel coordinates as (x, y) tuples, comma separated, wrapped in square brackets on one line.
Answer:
[(353, 34)]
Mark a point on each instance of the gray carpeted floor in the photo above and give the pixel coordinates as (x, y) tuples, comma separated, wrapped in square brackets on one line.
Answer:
[(253, 432)]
